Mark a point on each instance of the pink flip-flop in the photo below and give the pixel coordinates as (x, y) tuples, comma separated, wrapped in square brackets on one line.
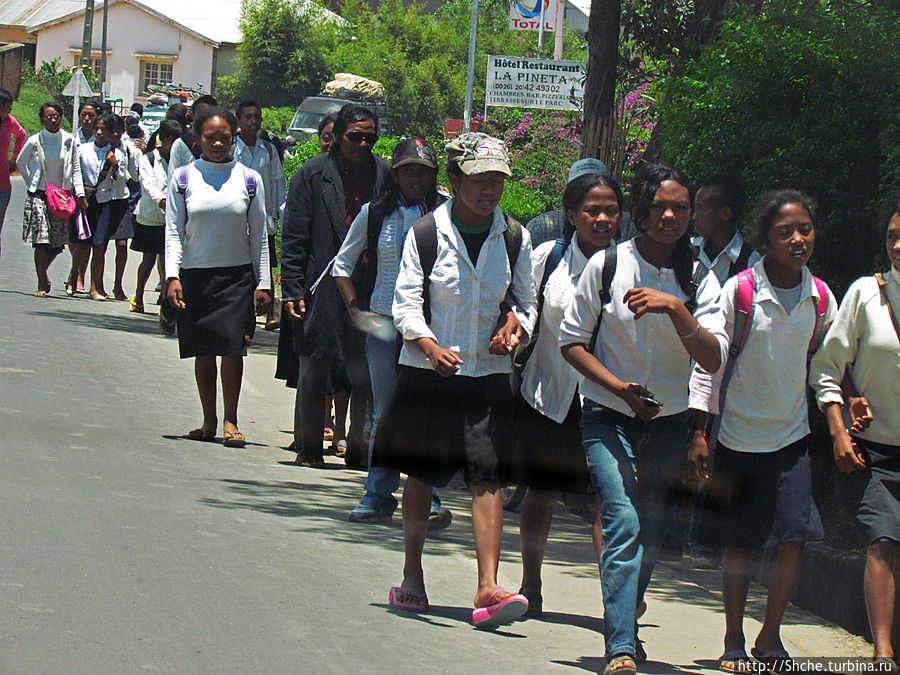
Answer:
[(399, 598), (506, 610)]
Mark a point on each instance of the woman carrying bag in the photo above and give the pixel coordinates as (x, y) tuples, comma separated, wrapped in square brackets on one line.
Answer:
[(51, 170)]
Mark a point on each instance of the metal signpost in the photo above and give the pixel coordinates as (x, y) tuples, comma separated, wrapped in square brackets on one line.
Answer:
[(77, 87)]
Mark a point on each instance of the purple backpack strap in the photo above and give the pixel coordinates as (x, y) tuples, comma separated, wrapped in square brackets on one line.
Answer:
[(249, 181), (821, 309), (181, 178)]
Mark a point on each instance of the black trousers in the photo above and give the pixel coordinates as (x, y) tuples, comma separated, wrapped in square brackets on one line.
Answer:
[(309, 406)]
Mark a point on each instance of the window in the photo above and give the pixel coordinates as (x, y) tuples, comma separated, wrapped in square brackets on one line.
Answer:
[(154, 72), (93, 65)]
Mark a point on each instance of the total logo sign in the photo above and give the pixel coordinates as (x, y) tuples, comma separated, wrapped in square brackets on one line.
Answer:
[(526, 14)]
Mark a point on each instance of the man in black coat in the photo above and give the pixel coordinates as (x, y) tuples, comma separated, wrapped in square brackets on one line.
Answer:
[(324, 197)]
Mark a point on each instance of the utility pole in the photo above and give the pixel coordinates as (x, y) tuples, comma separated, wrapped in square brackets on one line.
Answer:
[(103, 51), (600, 85), (470, 71), (88, 34)]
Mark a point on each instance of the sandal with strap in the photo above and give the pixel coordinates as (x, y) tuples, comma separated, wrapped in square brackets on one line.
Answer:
[(134, 306), (735, 661), (622, 664)]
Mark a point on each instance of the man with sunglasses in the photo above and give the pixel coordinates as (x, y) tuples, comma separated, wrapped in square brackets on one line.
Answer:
[(324, 197)]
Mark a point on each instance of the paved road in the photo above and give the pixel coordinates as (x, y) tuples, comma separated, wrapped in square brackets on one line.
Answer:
[(125, 547)]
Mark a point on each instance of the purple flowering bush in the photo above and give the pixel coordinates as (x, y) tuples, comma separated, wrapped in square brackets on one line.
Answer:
[(542, 145)]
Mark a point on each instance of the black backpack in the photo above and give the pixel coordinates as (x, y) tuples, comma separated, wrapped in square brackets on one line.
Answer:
[(425, 232)]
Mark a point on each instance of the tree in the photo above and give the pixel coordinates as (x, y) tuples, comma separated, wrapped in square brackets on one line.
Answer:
[(798, 96), (600, 86), (283, 56)]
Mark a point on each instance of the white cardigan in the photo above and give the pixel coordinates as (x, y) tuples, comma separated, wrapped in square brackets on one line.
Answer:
[(862, 341), (29, 164), (154, 184)]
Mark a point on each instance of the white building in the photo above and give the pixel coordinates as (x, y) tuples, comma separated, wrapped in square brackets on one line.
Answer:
[(184, 42)]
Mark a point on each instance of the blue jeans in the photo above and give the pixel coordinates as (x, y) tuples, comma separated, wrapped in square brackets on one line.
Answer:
[(381, 483), (634, 466)]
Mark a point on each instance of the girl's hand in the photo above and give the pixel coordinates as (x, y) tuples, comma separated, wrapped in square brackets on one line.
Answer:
[(82, 203), (649, 301), (698, 455), (506, 336), (846, 453), (445, 361), (860, 413), (295, 310), (631, 393), (175, 294), (263, 300)]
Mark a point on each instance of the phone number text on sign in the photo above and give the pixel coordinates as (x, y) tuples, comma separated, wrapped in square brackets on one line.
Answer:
[(534, 83)]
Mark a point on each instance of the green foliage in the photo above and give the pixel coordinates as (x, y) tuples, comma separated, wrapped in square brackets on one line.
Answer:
[(47, 83), (542, 146), (283, 55), (798, 97), (420, 58), (274, 120), (520, 201), (27, 107)]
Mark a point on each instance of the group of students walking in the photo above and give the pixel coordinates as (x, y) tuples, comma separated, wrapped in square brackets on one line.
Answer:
[(628, 355)]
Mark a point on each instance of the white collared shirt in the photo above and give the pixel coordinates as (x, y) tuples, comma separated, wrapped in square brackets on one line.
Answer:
[(862, 341), (647, 350), (262, 157), (721, 264), (464, 299), (765, 405), (390, 247), (114, 184), (549, 382)]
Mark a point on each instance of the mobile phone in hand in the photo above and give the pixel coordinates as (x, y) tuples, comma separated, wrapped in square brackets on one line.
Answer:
[(650, 401)]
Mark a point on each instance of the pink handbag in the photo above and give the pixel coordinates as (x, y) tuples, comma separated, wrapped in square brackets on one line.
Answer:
[(60, 203)]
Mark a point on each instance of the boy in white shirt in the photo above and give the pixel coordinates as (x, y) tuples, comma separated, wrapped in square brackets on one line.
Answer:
[(261, 155), (718, 208)]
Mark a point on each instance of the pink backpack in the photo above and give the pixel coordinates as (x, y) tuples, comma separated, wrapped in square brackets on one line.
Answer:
[(747, 285)]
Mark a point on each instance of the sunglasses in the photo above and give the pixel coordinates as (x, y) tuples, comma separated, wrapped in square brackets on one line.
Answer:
[(53, 117), (359, 137)]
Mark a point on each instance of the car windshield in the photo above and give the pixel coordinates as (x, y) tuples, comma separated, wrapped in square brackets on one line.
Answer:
[(307, 120)]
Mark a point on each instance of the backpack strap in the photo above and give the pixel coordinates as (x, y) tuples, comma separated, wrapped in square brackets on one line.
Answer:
[(700, 272), (249, 181), (512, 237), (745, 296), (425, 232), (181, 178), (882, 288), (821, 308), (606, 279), (742, 261)]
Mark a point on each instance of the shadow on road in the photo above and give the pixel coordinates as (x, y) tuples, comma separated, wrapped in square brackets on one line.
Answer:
[(129, 322)]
